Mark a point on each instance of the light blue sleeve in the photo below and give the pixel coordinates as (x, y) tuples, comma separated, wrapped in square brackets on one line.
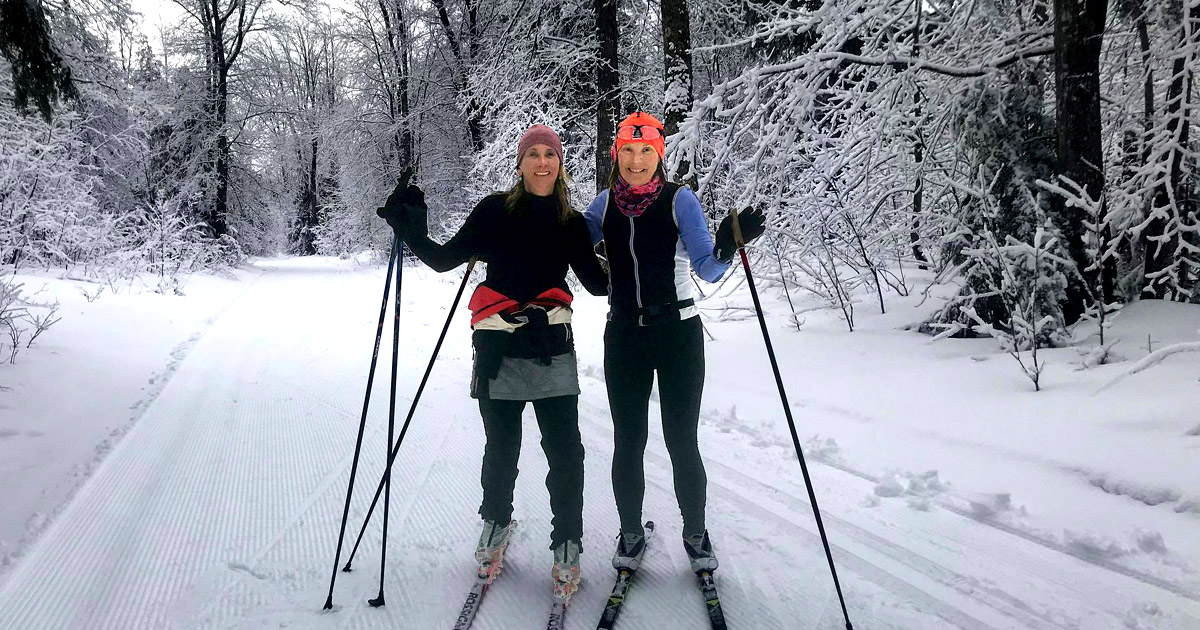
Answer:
[(693, 231), (595, 216)]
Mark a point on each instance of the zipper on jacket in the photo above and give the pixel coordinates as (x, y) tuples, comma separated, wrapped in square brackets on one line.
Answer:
[(637, 279)]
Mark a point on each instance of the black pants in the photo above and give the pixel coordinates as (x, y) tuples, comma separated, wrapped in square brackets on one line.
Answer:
[(558, 420), (631, 356)]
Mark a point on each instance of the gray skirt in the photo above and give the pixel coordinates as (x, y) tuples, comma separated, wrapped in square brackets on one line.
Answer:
[(529, 379)]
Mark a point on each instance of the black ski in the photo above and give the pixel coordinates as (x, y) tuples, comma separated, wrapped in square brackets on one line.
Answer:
[(615, 599), (712, 602)]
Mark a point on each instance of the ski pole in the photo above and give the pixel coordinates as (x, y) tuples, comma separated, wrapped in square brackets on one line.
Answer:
[(787, 411), (387, 285), (411, 410), (387, 475)]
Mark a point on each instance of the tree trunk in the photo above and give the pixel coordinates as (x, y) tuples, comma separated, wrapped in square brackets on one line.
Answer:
[(608, 83), (221, 55), (677, 69), (1078, 33), (1143, 31), (310, 246), (918, 198), (474, 109), (218, 222), (398, 103), (406, 134), (465, 60)]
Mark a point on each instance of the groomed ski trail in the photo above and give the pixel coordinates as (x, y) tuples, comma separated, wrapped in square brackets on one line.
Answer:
[(220, 507)]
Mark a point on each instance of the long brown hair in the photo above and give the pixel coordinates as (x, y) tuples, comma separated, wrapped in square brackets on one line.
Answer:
[(517, 195)]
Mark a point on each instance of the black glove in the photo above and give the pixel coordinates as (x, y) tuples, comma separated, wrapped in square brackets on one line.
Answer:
[(405, 210), (753, 223)]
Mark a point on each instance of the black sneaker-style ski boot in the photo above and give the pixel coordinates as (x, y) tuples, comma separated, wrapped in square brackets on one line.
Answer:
[(700, 553), (630, 549)]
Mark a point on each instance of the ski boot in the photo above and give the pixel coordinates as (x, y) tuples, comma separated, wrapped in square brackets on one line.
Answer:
[(565, 571), (630, 549), (700, 553), (490, 551)]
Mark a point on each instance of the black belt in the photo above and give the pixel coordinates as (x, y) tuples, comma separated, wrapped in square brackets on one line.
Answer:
[(650, 314)]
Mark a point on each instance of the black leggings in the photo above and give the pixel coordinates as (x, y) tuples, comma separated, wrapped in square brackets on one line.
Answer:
[(558, 420), (631, 356)]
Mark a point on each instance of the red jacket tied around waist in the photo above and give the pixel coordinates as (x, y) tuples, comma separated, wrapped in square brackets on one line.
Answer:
[(486, 302)]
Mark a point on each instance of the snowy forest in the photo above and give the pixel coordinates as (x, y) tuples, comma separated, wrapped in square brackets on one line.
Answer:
[(1038, 153)]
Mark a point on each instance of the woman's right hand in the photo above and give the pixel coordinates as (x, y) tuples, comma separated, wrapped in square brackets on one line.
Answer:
[(405, 209)]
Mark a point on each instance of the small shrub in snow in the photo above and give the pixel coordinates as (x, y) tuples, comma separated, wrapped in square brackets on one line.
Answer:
[(16, 333), (1028, 280), (42, 323), (12, 311), (15, 309), (91, 296), (1101, 251), (10, 299)]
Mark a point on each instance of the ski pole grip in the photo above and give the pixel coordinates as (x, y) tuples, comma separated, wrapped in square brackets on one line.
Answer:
[(737, 230)]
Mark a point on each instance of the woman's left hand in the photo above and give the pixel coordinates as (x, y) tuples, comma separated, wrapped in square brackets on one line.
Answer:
[(752, 221)]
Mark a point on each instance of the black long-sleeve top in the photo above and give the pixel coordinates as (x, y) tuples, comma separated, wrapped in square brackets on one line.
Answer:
[(527, 251)]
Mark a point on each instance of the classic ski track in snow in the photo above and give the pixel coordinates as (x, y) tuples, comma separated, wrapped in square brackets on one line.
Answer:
[(220, 509), (158, 381), (893, 566), (950, 501), (167, 485), (812, 560)]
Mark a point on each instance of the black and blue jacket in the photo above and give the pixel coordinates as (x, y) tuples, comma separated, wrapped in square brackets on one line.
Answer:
[(649, 256)]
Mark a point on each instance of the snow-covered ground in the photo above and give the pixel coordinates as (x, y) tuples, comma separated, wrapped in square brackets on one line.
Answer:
[(181, 462)]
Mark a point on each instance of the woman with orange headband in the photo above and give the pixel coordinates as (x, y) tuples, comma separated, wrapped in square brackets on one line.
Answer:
[(653, 231)]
